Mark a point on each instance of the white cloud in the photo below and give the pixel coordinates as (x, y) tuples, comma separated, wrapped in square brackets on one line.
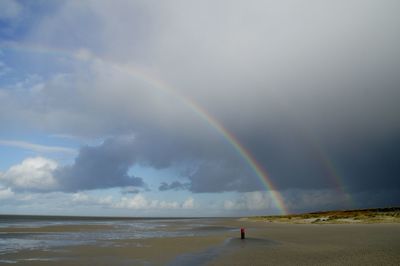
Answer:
[(107, 200), (188, 204), (80, 197), (37, 147), (135, 202), (32, 173), (6, 193), (168, 205), (230, 204), (140, 202), (86, 199)]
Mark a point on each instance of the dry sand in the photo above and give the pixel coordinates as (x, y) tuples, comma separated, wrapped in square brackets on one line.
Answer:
[(314, 244), (266, 244)]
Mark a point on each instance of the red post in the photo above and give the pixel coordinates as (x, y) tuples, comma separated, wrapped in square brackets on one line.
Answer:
[(242, 233)]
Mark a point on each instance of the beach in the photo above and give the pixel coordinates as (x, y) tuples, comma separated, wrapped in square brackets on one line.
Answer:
[(211, 241), (313, 244)]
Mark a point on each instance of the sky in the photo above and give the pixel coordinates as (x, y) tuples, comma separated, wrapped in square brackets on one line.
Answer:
[(198, 108)]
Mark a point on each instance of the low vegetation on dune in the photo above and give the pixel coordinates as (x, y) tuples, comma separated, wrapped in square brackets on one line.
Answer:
[(377, 215)]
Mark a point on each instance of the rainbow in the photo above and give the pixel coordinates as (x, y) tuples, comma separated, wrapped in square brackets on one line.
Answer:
[(333, 174), (192, 105), (323, 159)]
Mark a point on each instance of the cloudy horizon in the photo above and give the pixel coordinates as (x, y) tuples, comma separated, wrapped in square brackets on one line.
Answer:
[(198, 108)]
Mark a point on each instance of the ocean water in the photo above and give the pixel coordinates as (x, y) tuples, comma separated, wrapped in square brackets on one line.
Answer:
[(15, 237)]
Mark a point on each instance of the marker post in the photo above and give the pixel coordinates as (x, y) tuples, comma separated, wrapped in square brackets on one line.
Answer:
[(242, 233)]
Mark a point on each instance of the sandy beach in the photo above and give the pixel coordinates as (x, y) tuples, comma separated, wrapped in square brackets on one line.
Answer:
[(215, 242), (313, 244)]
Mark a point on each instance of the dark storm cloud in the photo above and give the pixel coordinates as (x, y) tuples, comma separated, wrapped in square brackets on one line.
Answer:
[(103, 166), (223, 176), (370, 164), (176, 185), (294, 158), (107, 166)]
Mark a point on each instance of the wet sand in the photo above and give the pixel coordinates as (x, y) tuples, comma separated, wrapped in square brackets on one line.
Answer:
[(152, 251), (55, 229), (265, 244)]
